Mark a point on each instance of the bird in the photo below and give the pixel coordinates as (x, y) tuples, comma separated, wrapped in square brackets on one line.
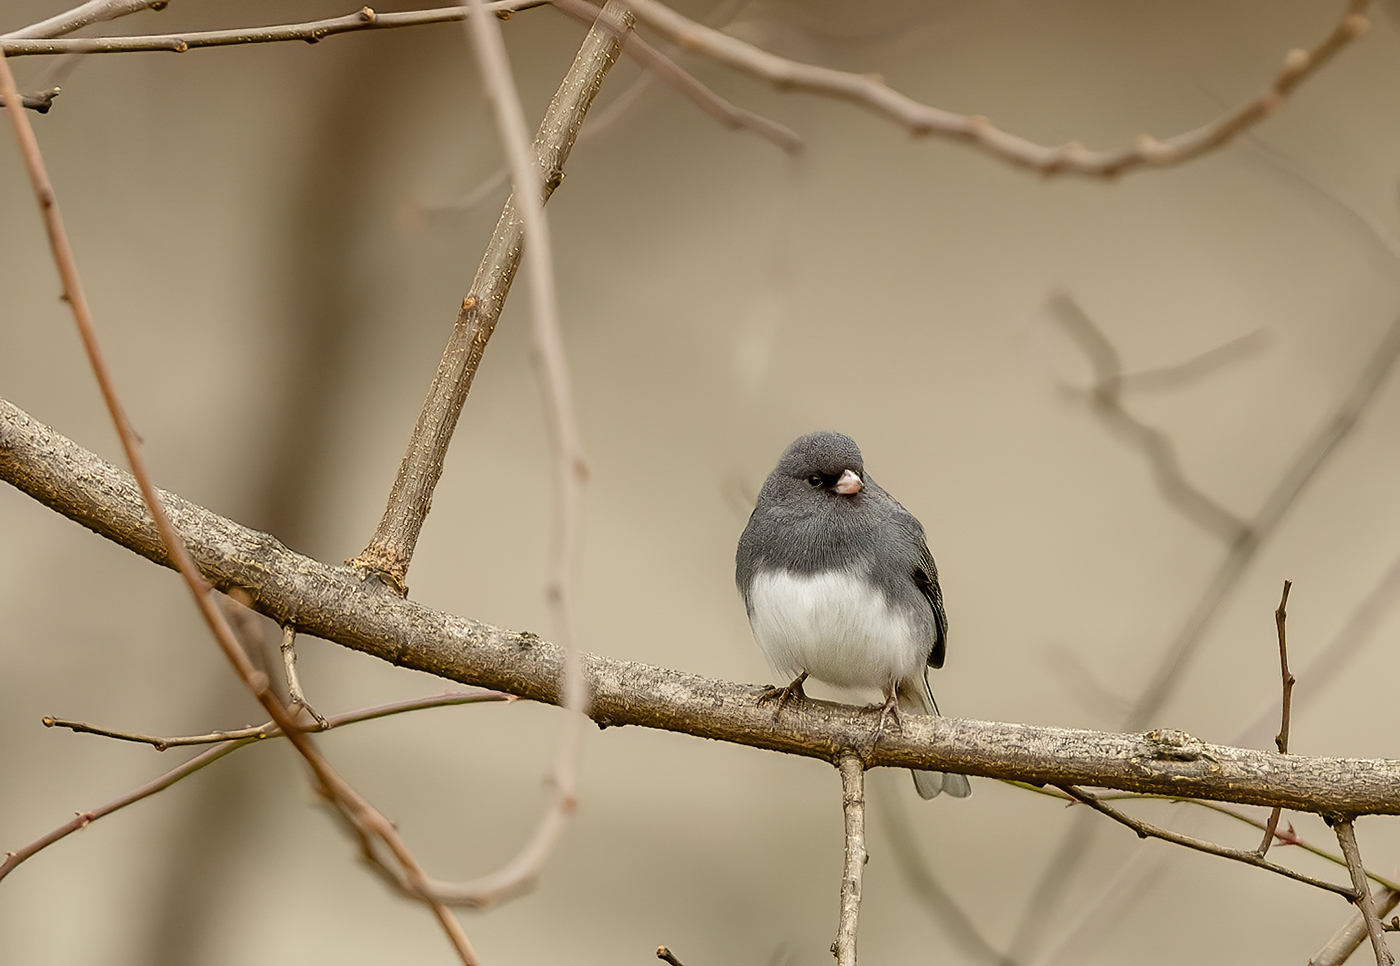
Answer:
[(839, 585)]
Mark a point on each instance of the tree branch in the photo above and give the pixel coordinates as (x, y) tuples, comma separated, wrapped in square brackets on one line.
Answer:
[(344, 606), (1146, 830), (94, 11), (1281, 739), (1346, 837), (871, 93), (311, 31), (390, 550)]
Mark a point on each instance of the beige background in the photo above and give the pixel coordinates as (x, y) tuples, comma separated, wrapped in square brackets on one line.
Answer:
[(258, 236)]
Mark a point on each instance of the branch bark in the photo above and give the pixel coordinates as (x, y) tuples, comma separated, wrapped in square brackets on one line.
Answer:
[(356, 611)]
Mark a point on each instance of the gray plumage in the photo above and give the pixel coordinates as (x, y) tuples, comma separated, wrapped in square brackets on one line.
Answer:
[(839, 583)]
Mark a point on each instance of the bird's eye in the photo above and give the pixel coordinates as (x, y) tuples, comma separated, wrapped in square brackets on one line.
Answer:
[(815, 479)]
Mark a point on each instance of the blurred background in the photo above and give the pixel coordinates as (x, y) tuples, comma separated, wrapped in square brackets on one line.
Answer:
[(275, 240)]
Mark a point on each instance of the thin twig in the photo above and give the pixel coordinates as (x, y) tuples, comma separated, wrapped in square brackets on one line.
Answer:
[(233, 741), (659, 64), (853, 807), (666, 955), (1281, 739), (269, 729), (1346, 837), (390, 550), (873, 94), (94, 11), (296, 696), (39, 102), (1147, 830), (311, 31), (1289, 838), (368, 824)]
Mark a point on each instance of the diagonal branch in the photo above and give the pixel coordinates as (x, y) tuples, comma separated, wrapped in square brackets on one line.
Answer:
[(229, 742), (83, 15), (1146, 830), (1346, 837), (336, 603), (871, 93), (390, 550)]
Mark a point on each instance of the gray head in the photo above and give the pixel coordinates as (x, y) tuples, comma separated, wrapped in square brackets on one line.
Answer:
[(825, 461)]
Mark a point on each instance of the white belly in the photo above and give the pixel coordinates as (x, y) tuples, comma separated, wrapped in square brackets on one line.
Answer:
[(836, 628)]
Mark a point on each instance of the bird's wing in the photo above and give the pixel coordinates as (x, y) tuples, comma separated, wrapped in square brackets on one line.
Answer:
[(926, 579)]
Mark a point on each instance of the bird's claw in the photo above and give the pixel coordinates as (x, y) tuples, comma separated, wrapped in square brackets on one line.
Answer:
[(783, 695)]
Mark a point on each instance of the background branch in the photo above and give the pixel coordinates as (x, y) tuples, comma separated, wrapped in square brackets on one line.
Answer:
[(872, 93)]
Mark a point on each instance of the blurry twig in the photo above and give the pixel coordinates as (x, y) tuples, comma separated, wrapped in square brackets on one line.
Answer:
[(1106, 399), (659, 64), (39, 102), (665, 954), (230, 741), (1346, 837), (1281, 739), (1305, 465), (915, 869), (872, 93), (94, 11), (1185, 373)]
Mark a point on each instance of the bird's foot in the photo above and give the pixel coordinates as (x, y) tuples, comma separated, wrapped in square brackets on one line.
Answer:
[(793, 692), (889, 711)]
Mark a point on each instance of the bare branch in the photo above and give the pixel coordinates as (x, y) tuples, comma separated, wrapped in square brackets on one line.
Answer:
[(1345, 940), (295, 695), (231, 742), (666, 955), (1346, 837), (853, 807), (94, 11), (269, 729), (338, 604), (1106, 399), (1147, 830), (871, 93), (734, 118), (1314, 454), (390, 550), (311, 31)]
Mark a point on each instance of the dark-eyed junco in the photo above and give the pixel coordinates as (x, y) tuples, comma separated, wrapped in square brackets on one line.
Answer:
[(840, 585)]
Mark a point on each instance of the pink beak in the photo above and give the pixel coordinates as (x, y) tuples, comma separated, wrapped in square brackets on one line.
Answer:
[(849, 484)]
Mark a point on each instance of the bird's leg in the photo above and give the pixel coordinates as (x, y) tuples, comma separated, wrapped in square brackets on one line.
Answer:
[(889, 710), (784, 695)]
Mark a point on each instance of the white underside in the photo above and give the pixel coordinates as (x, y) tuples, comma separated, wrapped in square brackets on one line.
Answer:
[(837, 628)]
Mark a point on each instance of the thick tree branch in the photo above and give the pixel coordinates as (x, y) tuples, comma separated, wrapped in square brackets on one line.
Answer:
[(344, 606)]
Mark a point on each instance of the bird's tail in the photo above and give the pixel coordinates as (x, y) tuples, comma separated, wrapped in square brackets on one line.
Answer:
[(914, 695)]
